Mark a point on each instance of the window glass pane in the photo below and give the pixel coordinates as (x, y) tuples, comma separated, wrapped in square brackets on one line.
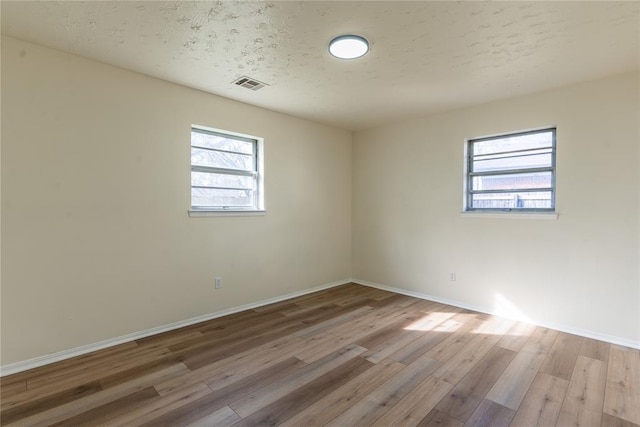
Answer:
[(515, 200), (512, 143), (522, 160), (512, 181), (217, 159), (219, 142), (206, 197), (204, 179)]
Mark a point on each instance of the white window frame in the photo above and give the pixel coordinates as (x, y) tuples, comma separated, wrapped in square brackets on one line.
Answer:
[(257, 172), (529, 212)]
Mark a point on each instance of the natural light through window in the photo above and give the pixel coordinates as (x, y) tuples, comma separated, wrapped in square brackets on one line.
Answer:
[(509, 320), (226, 171), (514, 172)]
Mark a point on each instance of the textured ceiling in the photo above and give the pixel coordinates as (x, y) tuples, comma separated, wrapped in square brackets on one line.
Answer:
[(425, 57)]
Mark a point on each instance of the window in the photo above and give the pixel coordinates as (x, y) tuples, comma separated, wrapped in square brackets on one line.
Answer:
[(514, 172), (226, 171)]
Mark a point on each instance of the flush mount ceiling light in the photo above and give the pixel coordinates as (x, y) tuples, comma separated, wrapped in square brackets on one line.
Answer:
[(348, 47)]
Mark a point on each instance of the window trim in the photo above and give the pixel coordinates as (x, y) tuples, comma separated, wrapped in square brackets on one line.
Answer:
[(257, 172), (468, 177)]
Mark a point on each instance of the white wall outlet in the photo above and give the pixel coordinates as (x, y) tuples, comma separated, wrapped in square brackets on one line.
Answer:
[(452, 277), (218, 282)]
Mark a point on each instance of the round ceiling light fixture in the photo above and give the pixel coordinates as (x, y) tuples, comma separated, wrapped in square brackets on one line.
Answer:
[(348, 46)]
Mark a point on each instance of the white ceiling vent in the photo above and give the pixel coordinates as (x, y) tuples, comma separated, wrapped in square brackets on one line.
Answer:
[(250, 83)]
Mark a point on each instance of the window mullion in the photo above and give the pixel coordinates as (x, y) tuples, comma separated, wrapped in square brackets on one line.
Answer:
[(209, 169), (218, 150), (506, 190), (210, 187), (510, 171), (499, 153)]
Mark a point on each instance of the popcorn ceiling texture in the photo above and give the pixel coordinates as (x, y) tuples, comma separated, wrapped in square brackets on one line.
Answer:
[(426, 57)]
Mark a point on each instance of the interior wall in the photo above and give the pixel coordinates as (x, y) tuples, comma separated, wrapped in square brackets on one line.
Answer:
[(579, 272), (96, 239)]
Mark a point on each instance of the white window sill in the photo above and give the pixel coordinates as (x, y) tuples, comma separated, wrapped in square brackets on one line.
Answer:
[(516, 215), (201, 214)]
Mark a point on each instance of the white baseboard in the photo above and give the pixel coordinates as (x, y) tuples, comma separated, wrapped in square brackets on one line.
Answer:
[(550, 325), (47, 359)]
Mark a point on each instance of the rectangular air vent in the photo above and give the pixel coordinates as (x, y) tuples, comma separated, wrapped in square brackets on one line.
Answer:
[(250, 83)]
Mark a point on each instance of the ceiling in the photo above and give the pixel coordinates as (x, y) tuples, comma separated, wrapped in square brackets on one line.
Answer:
[(426, 57)]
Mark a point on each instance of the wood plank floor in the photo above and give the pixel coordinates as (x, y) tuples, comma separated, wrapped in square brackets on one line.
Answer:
[(348, 356)]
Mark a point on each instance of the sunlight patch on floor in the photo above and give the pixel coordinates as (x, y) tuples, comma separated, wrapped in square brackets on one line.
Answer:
[(441, 321), (430, 321), (494, 325)]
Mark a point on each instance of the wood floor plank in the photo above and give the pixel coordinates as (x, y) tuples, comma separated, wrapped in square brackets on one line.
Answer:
[(426, 334), (465, 397), (108, 379), (397, 300), (350, 300), (228, 333), (31, 402), (454, 342), (542, 403), (76, 407), (562, 358), (223, 417), (102, 414), (457, 366), (415, 406), (8, 389), (98, 360), (89, 371), (230, 370), (622, 395), (304, 396), (279, 389), (310, 304), (321, 344), (227, 371), (375, 404), (491, 414), (595, 349), (160, 406), (382, 335), (436, 418), (585, 395), (330, 406), (486, 372), (346, 356), (206, 405), (209, 354), (330, 323), (167, 339), (517, 336), (340, 400), (381, 294), (514, 382), (611, 421), (77, 362), (432, 319)]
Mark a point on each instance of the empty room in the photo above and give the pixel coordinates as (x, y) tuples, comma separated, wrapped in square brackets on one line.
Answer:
[(316, 213)]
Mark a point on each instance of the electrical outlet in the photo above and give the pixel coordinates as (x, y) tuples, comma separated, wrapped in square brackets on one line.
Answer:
[(218, 282), (452, 277)]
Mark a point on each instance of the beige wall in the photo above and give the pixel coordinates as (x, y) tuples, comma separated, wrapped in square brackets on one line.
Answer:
[(579, 272), (96, 241)]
